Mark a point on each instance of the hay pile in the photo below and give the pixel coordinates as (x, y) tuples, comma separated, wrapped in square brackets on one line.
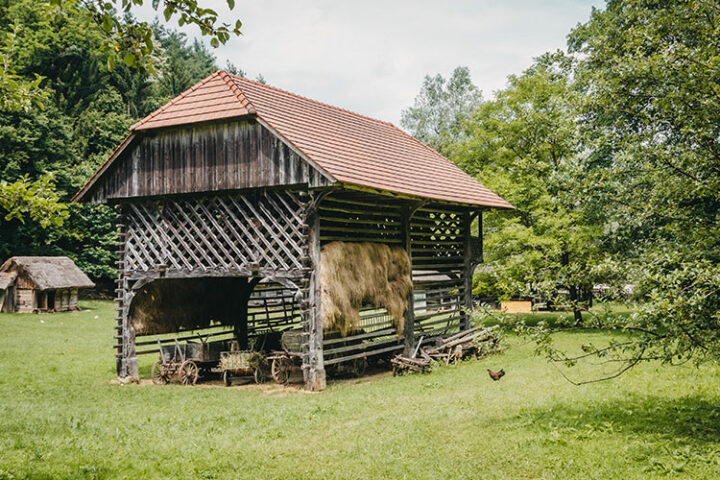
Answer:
[(241, 360), (172, 305), (357, 274)]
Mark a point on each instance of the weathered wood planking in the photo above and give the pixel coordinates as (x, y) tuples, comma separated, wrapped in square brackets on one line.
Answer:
[(204, 158), (438, 236)]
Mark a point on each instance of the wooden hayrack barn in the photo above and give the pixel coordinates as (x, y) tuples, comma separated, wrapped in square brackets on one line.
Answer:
[(226, 196)]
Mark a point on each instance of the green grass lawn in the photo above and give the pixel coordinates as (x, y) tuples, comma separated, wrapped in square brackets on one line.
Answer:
[(61, 418)]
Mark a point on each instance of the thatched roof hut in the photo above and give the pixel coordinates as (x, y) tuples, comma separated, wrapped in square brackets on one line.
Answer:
[(40, 284)]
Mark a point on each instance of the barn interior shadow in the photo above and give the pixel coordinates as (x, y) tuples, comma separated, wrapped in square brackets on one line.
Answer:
[(693, 419)]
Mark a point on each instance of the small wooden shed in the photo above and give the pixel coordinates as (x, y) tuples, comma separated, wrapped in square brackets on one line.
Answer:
[(226, 197), (41, 284)]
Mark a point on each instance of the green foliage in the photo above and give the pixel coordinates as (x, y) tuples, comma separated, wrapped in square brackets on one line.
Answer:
[(36, 200), (87, 112), (16, 93), (441, 108), (130, 42), (611, 154), (525, 145), (60, 418), (649, 74)]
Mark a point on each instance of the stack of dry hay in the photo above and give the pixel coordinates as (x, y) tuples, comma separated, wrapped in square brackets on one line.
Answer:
[(357, 274), (241, 360), (172, 305)]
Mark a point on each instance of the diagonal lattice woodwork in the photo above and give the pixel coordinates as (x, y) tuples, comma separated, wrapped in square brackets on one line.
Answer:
[(218, 234)]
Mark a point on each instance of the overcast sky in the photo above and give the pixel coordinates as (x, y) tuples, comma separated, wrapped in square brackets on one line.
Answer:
[(370, 56)]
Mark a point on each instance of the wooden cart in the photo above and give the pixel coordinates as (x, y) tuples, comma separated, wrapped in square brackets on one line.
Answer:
[(243, 363), (285, 362), (184, 361)]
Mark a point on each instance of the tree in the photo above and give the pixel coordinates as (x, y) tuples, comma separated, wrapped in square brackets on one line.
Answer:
[(649, 75), (130, 41), (86, 111), (17, 93), (438, 116), (525, 145), (36, 200)]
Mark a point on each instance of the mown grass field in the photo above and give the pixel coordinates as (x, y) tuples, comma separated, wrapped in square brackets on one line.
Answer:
[(61, 418)]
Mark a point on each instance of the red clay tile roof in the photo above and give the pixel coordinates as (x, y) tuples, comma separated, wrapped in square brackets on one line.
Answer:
[(351, 148)]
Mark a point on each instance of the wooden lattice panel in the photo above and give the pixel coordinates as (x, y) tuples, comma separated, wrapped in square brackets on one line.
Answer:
[(221, 234)]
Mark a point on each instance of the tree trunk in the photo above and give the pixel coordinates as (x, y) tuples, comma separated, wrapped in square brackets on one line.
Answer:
[(574, 297), (574, 300)]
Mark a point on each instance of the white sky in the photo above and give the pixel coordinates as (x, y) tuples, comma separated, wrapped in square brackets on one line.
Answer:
[(370, 56)]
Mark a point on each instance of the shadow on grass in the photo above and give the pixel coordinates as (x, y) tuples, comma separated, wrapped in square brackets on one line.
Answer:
[(692, 419)]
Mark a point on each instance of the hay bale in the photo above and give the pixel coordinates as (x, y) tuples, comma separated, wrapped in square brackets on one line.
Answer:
[(172, 305), (357, 274)]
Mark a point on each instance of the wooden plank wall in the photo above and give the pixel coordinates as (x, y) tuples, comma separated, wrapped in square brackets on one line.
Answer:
[(356, 217), (437, 238), (437, 242), (200, 158)]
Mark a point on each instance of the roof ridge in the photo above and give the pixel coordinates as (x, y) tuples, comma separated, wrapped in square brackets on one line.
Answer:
[(317, 102), (244, 100), (175, 100)]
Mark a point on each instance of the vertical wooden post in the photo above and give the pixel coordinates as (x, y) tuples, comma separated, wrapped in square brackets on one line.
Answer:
[(240, 328), (128, 360), (410, 312), (314, 370), (481, 246), (241, 321), (131, 356), (467, 271), (126, 364)]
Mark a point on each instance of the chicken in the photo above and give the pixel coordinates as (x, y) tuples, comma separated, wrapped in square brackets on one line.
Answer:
[(496, 375)]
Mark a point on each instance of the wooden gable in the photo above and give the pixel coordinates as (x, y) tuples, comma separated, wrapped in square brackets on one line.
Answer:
[(207, 157)]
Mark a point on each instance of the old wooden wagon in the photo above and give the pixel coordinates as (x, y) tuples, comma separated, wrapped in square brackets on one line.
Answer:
[(226, 195)]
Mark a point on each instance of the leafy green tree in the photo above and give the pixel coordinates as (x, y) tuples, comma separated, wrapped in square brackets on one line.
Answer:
[(440, 110), (526, 146), (17, 93), (36, 200), (649, 73), (130, 41), (86, 112)]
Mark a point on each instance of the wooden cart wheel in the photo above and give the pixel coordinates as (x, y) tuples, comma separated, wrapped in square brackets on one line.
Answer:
[(359, 366), (259, 376), (188, 373), (159, 374), (227, 378), (280, 370)]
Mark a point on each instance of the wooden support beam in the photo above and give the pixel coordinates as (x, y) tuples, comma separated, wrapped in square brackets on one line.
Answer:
[(240, 327), (410, 311), (468, 270), (314, 366), (481, 256)]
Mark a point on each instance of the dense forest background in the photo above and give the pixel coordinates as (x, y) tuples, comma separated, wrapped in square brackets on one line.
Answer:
[(609, 149), (86, 114)]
